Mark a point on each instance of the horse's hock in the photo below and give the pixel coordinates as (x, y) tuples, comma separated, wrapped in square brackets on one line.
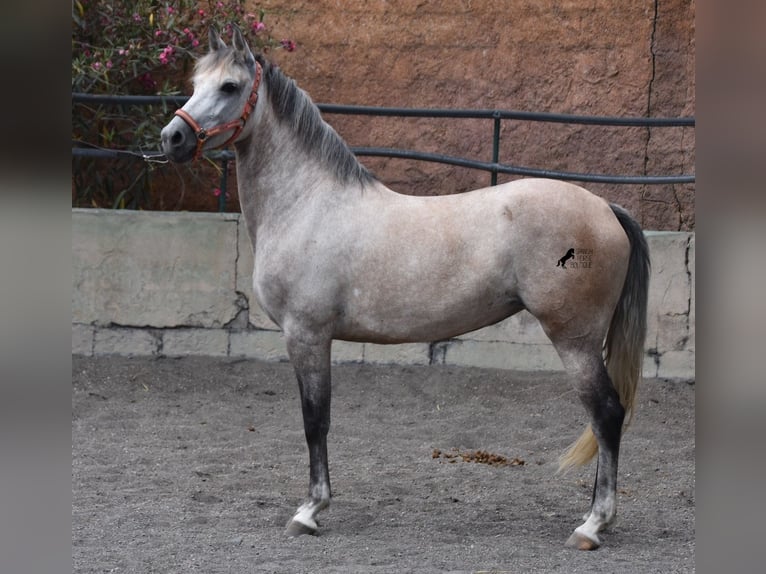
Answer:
[(130, 297)]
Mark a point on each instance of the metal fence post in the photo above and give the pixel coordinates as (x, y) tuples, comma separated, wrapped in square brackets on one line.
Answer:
[(495, 146)]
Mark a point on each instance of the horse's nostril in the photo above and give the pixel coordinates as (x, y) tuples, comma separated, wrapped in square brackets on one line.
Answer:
[(176, 138)]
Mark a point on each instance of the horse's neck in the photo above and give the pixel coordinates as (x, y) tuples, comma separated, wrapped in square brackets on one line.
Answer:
[(277, 178)]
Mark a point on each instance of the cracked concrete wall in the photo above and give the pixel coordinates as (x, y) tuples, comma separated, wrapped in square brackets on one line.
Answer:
[(174, 284), (136, 271), (670, 341)]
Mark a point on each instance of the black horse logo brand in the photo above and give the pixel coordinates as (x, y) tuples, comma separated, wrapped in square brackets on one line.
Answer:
[(569, 255)]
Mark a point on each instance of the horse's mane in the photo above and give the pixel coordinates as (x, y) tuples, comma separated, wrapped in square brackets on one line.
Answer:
[(294, 106)]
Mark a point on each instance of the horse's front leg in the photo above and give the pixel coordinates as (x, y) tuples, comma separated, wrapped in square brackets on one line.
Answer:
[(310, 357)]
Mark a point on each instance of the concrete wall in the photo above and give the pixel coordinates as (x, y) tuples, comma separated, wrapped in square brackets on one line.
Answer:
[(174, 284)]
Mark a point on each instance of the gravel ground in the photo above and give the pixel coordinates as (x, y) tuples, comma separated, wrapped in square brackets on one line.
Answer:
[(196, 464)]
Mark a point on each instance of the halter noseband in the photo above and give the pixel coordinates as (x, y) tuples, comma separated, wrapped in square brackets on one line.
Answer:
[(237, 125)]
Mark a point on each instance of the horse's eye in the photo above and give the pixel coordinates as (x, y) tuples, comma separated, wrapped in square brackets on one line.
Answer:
[(230, 88)]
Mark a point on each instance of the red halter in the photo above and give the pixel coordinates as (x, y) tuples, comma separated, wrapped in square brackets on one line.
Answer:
[(237, 125)]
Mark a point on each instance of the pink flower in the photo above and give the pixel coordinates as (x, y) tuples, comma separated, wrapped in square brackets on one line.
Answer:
[(170, 10), (195, 42), (166, 54), (97, 66), (217, 192), (258, 26), (288, 45), (108, 64)]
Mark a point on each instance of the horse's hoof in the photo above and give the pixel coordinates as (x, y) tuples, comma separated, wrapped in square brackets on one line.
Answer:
[(296, 528), (582, 542)]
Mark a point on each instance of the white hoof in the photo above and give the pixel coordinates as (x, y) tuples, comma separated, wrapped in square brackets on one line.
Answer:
[(296, 528), (304, 519)]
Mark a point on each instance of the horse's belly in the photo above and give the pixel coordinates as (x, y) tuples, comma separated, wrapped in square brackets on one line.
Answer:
[(403, 320)]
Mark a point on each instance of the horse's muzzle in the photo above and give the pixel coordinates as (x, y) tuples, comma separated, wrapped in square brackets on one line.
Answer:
[(178, 141)]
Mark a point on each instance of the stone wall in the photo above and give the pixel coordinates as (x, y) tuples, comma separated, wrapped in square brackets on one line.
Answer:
[(173, 284), (596, 57)]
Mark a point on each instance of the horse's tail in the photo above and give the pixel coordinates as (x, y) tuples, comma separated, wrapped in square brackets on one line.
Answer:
[(624, 344)]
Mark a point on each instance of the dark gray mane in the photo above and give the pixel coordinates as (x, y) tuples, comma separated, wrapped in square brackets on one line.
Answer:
[(293, 106)]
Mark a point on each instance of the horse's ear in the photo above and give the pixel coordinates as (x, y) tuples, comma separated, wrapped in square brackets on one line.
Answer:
[(240, 45), (215, 39)]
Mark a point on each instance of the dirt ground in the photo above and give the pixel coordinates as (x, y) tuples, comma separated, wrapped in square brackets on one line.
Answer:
[(196, 464)]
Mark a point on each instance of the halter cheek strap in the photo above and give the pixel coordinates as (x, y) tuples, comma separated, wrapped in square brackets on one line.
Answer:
[(237, 125)]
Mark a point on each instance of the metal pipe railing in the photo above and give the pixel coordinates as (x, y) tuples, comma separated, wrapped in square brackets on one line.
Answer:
[(494, 166)]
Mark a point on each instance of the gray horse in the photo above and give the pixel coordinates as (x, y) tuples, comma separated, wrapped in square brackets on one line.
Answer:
[(338, 255)]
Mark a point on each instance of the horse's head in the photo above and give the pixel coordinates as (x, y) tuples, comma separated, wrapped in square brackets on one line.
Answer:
[(226, 82)]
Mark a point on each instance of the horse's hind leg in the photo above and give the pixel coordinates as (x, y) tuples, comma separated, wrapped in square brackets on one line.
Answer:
[(312, 368), (602, 402)]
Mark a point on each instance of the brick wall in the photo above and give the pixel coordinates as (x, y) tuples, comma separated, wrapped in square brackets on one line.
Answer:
[(599, 57)]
